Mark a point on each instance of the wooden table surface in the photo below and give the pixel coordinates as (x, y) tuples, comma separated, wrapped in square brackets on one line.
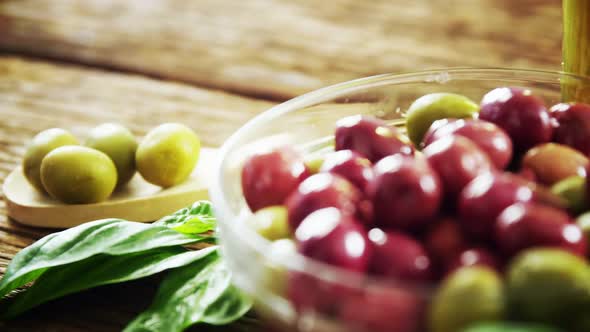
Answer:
[(213, 64)]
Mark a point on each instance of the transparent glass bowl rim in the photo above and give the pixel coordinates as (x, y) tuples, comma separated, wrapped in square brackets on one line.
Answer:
[(436, 76)]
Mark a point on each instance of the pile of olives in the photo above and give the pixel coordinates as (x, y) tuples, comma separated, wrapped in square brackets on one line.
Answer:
[(55, 163), (474, 216)]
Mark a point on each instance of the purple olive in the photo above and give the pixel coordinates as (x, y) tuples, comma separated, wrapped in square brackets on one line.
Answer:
[(371, 137), (573, 126), (484, 198), (490, 138), (319, 191), (406, 193), (527, 225), (521, 114), (269, 177), (335, 238), (457, 161), (445, 241), (351, 166), (398, 256), (475, 257), (384, 309)]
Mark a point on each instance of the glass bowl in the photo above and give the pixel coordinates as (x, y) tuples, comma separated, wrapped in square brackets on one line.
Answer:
[(307, 122)]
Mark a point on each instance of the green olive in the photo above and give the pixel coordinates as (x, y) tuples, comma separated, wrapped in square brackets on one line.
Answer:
[(41, 145), (270, 222), (468, 296), (168, 154), (510, 327), (435, 106), (573, 190), (78, 175), (314, 163), (119, 144), (549, 286)]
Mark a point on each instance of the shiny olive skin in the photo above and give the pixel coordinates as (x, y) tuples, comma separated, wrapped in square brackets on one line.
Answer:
[(78, 175), (549, 286), (527, 225), (573, 125), (520, 113), (406, 193), (491, 139), (320, 191), (484, 198), (431, 107), (553, 162), (168, 154), (269, 177), (398, 256), (119, 144), (469, 295), (371, 137), (43, 143), (457, 161), (326, 235), (351, 166)]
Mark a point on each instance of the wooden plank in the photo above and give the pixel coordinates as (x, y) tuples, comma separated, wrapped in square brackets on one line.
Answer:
[(35, 96), (281, 48)]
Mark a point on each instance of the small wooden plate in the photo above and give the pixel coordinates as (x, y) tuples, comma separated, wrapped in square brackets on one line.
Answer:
[(137, 201)]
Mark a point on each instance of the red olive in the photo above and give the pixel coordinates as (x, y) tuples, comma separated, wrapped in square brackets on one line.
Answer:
[(398, 256), (457, 161), (406, 193), (484, 198), (319, 191), (371, 137), (351, 166), (522, 226), (269, 177), (490, 138), (521, 114), (335, 238), (573, 126)]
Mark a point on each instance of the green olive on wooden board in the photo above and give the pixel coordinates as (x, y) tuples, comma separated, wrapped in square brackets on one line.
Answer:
[(168, 154), (119, 144), (435, 106), (78, 175), (43, 143)]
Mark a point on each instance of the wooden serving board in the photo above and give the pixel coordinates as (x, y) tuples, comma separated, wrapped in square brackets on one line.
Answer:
[(137, 201)]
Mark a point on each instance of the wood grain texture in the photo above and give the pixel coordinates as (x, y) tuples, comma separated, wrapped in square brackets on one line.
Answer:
[(36, 95), (281, 48)]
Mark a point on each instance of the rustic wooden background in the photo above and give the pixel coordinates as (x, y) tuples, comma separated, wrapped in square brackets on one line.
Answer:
[(213, 64)]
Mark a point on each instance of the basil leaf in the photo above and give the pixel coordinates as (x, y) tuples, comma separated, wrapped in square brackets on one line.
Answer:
[(100, 270), (200, 292), (108, 236), (196, 219)]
